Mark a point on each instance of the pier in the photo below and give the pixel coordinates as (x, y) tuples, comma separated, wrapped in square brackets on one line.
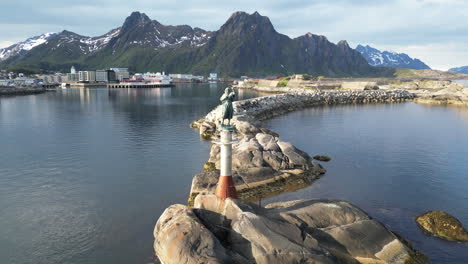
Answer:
[(135, 85)]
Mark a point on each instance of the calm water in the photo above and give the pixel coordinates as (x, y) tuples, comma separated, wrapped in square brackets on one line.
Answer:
[(464, 82), (84, 174), (395, 161)]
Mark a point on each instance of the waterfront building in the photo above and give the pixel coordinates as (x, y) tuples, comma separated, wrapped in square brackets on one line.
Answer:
[(105, 76), (149, 78), (87, 76), (72, 77), (53, 78), (72, 70), (121, 73), (181, 76), (213, 76)]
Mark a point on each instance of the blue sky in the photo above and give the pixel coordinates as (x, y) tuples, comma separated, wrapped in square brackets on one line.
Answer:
[(436, 31)]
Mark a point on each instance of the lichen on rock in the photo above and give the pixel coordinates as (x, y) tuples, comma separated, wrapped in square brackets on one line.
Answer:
[(442, 225)]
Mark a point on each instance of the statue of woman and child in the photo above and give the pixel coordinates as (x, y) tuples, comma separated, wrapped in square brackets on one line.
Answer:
[(227, 109)]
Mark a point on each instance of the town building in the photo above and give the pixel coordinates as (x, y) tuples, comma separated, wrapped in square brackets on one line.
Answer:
[(105, 76), (87, 76), (72, 77), (53, 78), (121, 73), (213, 76)]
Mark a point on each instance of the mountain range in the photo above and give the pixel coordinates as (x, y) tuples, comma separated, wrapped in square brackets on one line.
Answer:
[(246, 44), (391, 59), (463, 69)]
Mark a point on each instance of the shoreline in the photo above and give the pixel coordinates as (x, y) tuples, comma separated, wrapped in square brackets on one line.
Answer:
[(430, 92), (11, 91)]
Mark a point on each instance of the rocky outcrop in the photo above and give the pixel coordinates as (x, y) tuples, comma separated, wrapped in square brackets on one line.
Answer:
[(304, 231), (442, 225), (263, 166), (447, 96), (426, 85)]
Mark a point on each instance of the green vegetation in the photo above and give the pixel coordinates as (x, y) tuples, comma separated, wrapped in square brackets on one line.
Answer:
[(283, 83), (209, 166)]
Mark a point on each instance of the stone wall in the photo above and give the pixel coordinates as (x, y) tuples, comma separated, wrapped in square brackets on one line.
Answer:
[(265, 107)]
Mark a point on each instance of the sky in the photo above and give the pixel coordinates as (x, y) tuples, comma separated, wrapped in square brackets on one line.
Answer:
[(435, 31)]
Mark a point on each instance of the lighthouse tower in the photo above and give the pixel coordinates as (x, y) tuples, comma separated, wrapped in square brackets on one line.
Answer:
[(226, 187)]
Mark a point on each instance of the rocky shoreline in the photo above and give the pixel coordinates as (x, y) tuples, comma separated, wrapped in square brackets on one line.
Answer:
[(437, 92), (20, 91), (211, 230)]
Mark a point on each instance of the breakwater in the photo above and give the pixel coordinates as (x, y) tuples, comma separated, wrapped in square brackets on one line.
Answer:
[(20, 91), (262, 108)]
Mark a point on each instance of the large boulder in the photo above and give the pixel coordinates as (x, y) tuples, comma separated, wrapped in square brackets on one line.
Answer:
[(305, 231), (442, 225), (180, 237)]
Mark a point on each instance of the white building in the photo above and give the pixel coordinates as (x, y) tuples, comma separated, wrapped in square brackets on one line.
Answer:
[(87, 76), (213, 76)]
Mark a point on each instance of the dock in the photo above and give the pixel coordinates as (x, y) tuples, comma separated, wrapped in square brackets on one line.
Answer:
[(134, 85)]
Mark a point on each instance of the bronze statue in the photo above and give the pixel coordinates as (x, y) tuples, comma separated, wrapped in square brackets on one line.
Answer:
[(226, 100)]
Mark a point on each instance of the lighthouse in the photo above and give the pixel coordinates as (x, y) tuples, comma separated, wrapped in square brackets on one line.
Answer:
[(226, 187)]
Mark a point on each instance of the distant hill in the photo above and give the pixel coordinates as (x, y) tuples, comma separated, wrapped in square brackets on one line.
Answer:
[(463, 69), (379, 58), (247, 44)]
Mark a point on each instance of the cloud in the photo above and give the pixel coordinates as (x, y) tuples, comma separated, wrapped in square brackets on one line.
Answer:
[(404, 24)]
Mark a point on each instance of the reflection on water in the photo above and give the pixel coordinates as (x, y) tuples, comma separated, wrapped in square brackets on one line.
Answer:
[(395, 161), (85, 173)]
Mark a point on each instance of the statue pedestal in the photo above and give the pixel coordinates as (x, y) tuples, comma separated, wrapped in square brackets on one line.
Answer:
[(226, 187)]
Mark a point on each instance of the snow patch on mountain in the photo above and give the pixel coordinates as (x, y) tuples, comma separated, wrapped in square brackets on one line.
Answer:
[(97, 43), (392, 59), (25, 46)]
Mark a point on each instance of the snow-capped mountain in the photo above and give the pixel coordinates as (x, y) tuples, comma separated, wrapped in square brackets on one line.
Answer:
[(25, 46), (247, 44), (391, 59), (463, 69)]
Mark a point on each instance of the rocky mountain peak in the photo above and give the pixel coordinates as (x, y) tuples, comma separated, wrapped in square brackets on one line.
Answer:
[(384, 58), (241, 22), (135, 19), (343, 43)]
